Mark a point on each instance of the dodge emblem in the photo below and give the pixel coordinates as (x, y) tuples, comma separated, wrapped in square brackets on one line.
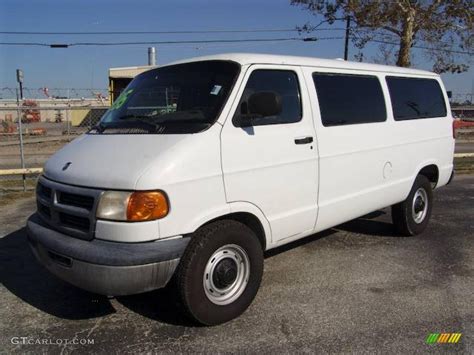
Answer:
[(66, 165)]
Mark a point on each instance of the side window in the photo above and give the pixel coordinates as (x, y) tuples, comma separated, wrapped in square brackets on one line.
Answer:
[(346, 99), (279, 87), (414, 98)]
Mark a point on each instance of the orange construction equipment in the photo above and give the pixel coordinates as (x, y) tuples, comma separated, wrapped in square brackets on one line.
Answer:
[(30, 112)]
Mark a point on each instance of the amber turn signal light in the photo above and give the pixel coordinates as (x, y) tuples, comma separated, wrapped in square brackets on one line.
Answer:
[(147, 206)]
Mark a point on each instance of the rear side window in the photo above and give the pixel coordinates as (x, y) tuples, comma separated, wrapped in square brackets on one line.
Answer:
[(284, 83), (346, 99), (414, 98)]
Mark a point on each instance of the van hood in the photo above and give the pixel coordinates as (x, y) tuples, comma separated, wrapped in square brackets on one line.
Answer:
[(108, 161)]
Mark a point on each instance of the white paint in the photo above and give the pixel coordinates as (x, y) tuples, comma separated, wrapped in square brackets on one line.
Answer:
[(270, 170), (292, 189)]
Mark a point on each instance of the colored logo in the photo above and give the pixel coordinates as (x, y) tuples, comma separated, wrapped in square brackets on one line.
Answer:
[(443, 338), (121, 99)]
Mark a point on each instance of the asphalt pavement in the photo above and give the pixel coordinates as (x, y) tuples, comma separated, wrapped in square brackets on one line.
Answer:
[(354, 288)]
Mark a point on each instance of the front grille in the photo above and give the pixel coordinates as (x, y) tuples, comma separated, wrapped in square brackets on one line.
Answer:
[(44, 191), (67, 208), (74, 221), (82, 201), (44, 210)]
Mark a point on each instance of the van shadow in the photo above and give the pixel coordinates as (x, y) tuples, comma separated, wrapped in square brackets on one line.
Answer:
[(162, 305), (299, 243), (368, 225), (25, 278)]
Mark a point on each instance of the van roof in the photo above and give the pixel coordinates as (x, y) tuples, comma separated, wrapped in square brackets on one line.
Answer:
[(257, 58)]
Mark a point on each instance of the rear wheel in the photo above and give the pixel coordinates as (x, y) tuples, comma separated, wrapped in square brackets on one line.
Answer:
[(411, 216), (220, 272)]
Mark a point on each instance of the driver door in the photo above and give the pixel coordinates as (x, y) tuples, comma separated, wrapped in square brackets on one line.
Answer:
[(273, 161)]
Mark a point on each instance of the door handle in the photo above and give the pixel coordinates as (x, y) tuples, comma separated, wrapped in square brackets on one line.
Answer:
[(304, 140)]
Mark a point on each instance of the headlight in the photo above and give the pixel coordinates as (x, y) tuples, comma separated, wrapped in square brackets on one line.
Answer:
[(132, 206), (113, 205)]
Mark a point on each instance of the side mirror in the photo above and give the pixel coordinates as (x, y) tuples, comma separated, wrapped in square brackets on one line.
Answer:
[(264, 103)]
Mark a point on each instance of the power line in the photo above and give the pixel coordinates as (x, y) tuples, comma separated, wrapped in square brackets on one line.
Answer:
[(75, 44), (87, 33), (304, 39)]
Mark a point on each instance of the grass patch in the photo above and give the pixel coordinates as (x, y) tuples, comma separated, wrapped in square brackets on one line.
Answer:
[(464, 165), (11, 197), (16, 184)]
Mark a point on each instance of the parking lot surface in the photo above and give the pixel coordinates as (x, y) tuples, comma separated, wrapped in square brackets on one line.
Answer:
[(354, 288)]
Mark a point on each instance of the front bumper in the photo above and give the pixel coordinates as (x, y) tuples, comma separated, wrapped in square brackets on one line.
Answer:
[(104, 267)]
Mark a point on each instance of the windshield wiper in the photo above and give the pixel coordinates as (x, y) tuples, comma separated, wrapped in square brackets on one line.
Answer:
[(182, 115), (142, 120), (131, 115), (99, 127)]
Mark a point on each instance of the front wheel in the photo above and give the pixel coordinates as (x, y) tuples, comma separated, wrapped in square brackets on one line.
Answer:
[(220, 272), (411, 216)]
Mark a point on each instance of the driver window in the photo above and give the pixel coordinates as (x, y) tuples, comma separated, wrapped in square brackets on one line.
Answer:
[(284, 83)]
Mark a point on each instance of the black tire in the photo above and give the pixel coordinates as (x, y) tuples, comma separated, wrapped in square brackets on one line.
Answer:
[(403, 213), (191, 271)]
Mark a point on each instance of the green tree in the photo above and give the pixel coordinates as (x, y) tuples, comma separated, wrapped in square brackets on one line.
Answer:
[(442, 29)]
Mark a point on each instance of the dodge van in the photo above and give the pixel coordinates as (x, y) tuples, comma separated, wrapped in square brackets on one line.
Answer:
[(201, 165)]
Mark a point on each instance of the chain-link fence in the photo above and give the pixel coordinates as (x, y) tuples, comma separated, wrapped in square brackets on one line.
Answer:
[(32, 130)]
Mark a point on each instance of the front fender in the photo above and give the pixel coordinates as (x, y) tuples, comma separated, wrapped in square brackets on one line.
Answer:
[(233, 207), (244, 206)]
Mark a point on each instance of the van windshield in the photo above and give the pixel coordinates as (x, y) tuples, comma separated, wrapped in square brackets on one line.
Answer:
[(178, 99)]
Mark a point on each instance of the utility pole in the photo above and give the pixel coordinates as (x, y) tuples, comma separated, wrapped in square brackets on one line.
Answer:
[(152, 56), (346, 41), (19, 79), (68, 125)]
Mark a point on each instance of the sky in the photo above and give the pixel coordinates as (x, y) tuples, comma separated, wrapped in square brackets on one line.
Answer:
[(87, 67)]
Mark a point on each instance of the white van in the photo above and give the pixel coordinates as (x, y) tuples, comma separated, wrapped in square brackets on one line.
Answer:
[(202, 165)]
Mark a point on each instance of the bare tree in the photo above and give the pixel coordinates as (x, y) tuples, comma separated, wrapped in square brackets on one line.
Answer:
[(442, 29)]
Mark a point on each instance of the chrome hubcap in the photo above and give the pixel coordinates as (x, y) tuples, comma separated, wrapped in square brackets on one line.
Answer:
[(420, 205), (226, 274)]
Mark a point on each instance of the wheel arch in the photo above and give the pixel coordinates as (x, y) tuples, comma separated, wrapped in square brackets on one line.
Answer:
[(248, 214), (429, 169), (431, 172), (250, 221)]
